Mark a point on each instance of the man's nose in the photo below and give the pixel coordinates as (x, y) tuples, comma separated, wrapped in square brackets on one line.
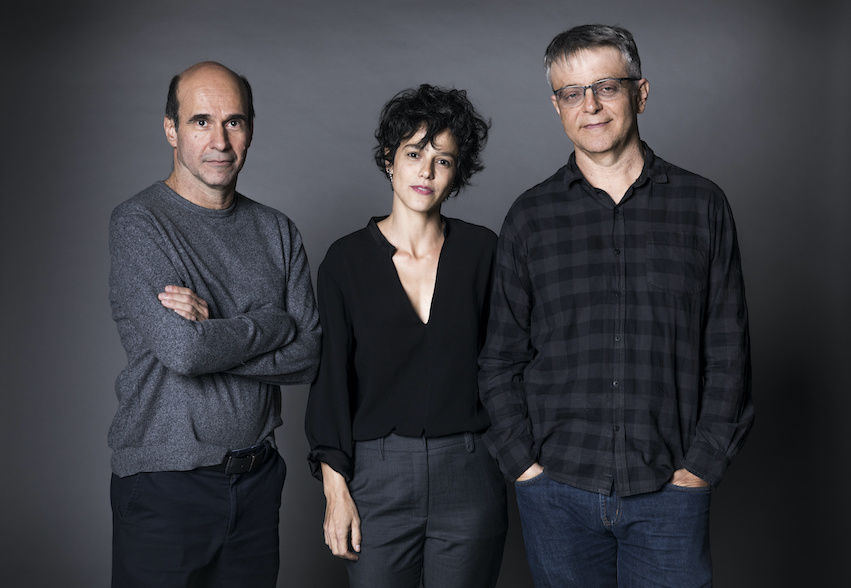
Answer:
[(590, 103), (219, 139)]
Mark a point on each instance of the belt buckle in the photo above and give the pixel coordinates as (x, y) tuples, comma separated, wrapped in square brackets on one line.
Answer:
[(240, 465)]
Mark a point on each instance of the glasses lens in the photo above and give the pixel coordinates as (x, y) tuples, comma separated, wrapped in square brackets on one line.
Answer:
[(572, 95), (603, 90), (607, 89)]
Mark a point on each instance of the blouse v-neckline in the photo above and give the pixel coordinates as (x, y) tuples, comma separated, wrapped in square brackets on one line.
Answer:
[(390, 249)]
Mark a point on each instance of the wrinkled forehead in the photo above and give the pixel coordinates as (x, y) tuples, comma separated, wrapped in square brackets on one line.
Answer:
[(212, 82)]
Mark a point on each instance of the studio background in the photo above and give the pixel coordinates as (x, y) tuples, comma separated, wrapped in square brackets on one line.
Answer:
[(751, 94)]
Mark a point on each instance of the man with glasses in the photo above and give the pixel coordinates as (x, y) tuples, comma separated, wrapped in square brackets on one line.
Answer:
[(617, 366)]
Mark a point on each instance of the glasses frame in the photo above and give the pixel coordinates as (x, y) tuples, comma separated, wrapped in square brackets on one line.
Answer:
[(590, 87)]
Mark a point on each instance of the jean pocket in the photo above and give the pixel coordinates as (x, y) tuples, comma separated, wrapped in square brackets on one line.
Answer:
[(676, 263), (530, 481), (689, 489)]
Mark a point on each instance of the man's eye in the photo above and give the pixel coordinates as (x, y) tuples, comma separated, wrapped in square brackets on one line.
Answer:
[(201, 123), (233, 123), (608, 88)]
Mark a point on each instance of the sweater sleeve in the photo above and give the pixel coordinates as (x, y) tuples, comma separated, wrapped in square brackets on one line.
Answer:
[(141, 267), (328, 420), (297, 359)]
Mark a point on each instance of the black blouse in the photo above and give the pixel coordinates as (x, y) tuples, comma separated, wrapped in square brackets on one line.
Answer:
[(382, 369)]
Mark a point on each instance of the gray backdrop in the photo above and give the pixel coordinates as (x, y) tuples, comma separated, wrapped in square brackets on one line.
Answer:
[(752, 94)]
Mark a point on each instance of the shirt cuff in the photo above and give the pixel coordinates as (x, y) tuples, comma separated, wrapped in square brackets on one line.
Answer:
[(336, 458)]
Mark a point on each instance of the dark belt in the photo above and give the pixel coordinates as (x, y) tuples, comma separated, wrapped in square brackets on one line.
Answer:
[(243, 460)]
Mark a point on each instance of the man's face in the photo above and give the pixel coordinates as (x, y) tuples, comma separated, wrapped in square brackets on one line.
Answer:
[(597, 127), (212, 136)]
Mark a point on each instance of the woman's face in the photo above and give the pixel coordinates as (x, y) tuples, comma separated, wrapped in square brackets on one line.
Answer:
[(423, 176)]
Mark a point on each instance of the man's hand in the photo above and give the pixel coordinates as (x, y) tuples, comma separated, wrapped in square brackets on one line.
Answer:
[(534, 470), (342, 522), (687, 479), (184, 302)]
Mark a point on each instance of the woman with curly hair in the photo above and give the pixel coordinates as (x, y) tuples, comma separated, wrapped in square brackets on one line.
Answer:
[(394, 418)]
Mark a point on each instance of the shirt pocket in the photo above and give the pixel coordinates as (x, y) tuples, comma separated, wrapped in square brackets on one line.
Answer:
[(676, 263)]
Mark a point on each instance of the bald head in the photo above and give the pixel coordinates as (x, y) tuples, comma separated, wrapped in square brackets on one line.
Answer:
[(203, 70)]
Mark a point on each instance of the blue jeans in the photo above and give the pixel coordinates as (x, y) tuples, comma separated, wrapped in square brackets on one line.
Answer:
[(584, 539)]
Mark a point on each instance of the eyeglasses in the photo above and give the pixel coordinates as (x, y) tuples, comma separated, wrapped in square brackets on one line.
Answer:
[(607, 89)]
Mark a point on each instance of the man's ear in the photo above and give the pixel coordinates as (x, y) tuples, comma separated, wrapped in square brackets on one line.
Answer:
[(170, 131), (554, 99), (641, 95), (250, 135)]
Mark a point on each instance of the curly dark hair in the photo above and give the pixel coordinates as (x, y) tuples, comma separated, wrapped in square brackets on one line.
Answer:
[(437, 109)]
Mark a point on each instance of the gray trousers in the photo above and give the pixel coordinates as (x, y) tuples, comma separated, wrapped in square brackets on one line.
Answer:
[(432, 511)]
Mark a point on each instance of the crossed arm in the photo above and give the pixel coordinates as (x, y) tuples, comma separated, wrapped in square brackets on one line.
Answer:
[(300, 357), (185, 302), (273, 344)]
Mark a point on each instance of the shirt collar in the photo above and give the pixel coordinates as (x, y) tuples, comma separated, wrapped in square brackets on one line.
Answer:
[(653, 169), (382, 241)]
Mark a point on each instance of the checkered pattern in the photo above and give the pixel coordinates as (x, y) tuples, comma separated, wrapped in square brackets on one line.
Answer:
[(618, 346)]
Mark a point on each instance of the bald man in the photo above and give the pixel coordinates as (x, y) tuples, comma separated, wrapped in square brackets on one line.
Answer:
[(212, 297)]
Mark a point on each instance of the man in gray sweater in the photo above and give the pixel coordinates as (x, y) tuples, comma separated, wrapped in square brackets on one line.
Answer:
[(212, 297)]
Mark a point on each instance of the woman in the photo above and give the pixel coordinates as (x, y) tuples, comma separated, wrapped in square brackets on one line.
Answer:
[(394, 419)]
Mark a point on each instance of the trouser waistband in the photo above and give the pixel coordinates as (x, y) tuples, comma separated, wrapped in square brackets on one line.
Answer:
[(243, 461), (394, 442)]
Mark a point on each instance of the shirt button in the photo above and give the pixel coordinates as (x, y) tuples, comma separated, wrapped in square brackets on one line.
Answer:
[(615, 384), (617, 337), (617, 251), (617, 428)]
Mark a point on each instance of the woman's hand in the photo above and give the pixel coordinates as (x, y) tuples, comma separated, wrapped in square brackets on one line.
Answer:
[(342, 523)]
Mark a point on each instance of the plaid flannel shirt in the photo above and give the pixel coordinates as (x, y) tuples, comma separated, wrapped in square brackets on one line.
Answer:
[(618, 347)]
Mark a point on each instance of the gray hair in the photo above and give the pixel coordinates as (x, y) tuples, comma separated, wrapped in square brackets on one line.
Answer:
[(591, 37)]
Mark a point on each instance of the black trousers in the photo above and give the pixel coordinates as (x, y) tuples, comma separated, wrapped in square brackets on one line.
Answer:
[(198, 528)]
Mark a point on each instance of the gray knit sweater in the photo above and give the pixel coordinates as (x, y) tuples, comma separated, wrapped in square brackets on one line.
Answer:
[(193, 390)]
